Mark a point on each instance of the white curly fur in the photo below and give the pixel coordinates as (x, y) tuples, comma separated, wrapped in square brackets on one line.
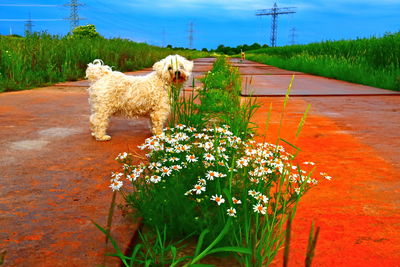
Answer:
[(114, 93)]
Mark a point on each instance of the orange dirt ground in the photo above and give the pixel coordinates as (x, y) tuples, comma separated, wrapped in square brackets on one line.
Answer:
[(55, 176)]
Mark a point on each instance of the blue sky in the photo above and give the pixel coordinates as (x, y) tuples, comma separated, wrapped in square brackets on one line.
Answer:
[(228, 22)]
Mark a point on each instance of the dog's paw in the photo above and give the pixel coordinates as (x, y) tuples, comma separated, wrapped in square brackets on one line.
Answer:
[(103, 138)]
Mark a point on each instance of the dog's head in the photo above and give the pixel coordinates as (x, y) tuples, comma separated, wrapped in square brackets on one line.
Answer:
[(174, 68)]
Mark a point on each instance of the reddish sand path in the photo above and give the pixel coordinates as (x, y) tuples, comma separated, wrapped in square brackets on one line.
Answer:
[(358, 211), (54, 176)]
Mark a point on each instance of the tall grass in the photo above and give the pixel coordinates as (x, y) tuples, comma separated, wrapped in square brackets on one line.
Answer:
[(370, 61), (43, 59), (221, 102)]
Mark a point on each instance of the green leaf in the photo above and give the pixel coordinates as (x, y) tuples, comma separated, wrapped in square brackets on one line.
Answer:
[(173, 251), (115, 245), (221, 235), (200, 242), (302, 121), (287, 142), (134, 252), (231, 249), (2, 256)]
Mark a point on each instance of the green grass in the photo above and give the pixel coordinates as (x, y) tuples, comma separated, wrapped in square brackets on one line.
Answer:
[(42, 59), (370, 61), (221, 101)]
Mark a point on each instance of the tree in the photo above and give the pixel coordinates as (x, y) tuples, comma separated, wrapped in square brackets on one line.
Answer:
[(88, 31)]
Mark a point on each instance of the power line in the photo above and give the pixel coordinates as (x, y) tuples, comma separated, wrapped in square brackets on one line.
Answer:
[(274, 12), (32, 5), (28, 22), (32, 20)]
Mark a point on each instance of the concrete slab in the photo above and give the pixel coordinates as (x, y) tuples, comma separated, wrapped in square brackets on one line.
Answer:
[(305, 85)]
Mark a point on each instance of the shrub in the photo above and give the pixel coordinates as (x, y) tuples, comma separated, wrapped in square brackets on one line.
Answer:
[(88, 31)]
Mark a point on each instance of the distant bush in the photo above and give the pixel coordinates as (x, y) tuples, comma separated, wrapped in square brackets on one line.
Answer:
[(227, 50), (88, 31)]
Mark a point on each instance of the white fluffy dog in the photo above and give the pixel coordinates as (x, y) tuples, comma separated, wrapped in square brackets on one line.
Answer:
[(114, 93)]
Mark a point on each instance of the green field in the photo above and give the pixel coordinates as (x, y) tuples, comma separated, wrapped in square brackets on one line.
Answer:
[(370, 61), (43, 59)]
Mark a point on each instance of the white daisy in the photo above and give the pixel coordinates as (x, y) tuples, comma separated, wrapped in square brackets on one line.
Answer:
[(211, 175), (219, 199), (191, 158), (180, 126), (259, 208), (242, 162), (236, 201), (297, 190), (221, 175), (262, 198), (253, 193), (254, 180), (173, 159), (155, 179), (122, 156), (202, 181), (154, 165), (165, 171), (116, 185), (231, 212), (209, 157), (208, 145), (176, 167), (198, 188), (191, 129)]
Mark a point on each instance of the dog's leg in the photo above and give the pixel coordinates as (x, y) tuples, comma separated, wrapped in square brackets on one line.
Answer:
[(158, 118), (99, 124)]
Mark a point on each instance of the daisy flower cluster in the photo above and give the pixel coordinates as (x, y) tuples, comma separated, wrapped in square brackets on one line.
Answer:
[(186, 147), (213, 159), (116, 182)]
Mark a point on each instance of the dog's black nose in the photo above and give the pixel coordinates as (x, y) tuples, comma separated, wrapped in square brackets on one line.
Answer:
[(177, 73)]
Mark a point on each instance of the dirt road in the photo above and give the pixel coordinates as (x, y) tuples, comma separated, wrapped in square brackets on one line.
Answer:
[(55, 176)]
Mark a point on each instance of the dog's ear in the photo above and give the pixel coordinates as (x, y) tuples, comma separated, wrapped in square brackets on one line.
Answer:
[(159, 66), (188, 65)]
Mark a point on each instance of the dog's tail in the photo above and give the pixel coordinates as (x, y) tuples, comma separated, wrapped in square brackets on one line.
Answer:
[(97, 70)]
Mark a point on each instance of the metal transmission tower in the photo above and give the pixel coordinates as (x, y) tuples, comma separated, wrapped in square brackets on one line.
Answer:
[(190, 37), (28, 25), (274, 12), (74, 17), (292, 36)]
